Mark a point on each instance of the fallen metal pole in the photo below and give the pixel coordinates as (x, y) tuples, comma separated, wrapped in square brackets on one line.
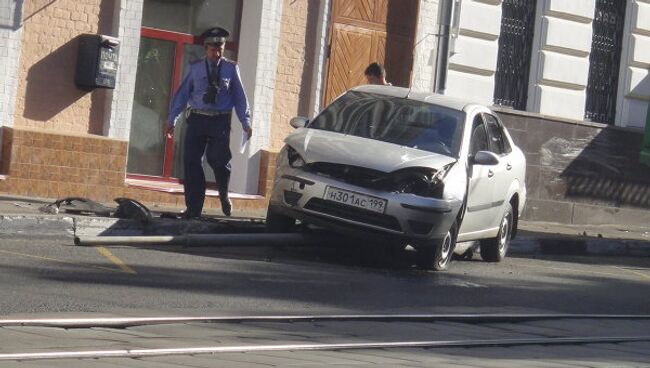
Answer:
[(270, 239)]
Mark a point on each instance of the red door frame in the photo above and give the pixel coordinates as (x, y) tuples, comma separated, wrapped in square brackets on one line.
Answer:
[(180, 40)]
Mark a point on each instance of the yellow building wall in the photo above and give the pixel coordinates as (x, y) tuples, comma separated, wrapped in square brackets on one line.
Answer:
[(47, 97), (295, 66)]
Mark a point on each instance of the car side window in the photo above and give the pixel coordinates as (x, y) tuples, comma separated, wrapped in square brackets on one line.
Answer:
[(479, 139), (497, 140)]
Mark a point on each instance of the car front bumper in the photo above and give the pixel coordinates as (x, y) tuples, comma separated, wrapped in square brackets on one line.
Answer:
[(301, 195)]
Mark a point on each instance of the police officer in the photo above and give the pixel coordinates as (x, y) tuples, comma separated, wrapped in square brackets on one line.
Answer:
[(210, 90)]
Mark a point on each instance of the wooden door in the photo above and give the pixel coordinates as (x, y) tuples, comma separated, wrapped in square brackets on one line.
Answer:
[(365, 31)]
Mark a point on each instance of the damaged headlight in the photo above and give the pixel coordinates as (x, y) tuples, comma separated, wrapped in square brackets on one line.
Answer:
[(420, 181), (295, 160)]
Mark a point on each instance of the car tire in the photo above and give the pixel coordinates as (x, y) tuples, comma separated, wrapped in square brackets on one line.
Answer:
[(495, 249), (278, 223), (436, 255)]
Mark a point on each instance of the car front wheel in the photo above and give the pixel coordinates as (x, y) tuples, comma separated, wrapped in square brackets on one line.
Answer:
[(278, 223), (495, 249), (436, 255)]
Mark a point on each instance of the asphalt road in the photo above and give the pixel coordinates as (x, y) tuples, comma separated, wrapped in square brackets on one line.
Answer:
[(43, 276)]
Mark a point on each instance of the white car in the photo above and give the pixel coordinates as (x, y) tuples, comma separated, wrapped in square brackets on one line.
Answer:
[(416, 169)]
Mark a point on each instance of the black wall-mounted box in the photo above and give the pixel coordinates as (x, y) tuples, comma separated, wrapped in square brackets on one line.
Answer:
[(97, 61)]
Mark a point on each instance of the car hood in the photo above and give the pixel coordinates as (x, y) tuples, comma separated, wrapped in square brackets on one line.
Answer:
[(315, 145)]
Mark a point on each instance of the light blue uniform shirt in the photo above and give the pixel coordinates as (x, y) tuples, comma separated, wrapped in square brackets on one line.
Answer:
[(195, 83)]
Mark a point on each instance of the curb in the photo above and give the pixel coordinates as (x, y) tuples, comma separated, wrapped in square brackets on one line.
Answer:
[(69, 227), (578, 246), (100, 226), (44, 225), (75, 226)]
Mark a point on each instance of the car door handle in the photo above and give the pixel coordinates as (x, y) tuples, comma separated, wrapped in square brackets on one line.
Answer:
[(490, 173), (508, 166)]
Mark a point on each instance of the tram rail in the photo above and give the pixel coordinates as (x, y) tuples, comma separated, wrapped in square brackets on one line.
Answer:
[(343, 342)]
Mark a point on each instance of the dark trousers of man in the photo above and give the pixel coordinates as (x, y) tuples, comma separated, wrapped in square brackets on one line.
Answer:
[(209, 135)]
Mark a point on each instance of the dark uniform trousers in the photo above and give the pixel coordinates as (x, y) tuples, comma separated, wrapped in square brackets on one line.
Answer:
[(209, 135)]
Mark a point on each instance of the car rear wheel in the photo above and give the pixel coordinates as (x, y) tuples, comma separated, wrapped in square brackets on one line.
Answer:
[(495, 249), (436, 255), (278, 223)]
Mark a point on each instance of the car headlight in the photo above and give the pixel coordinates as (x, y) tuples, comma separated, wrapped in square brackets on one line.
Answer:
[(295, 160), (420, 181)]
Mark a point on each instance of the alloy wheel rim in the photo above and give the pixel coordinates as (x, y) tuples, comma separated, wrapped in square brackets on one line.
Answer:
[(445, 249), (505, 229)]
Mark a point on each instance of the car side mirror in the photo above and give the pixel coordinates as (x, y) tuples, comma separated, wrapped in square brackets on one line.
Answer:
[(298, 122), (485, 158)]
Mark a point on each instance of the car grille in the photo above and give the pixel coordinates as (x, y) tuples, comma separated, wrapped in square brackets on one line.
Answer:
[(355, 175), (353, 213)]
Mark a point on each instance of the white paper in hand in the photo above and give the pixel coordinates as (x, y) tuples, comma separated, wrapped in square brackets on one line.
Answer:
[(244, 142)]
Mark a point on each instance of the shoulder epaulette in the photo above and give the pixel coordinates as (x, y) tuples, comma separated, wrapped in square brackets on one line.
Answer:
[(229, 61)]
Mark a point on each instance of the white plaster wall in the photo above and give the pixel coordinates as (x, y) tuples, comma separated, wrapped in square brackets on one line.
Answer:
[(426, 42), (640, 50), (579, 10), (481, 18), (638, 82), (560, 58), (556, 31), (470, 86), (467, 51), (257, 59), (10, 34), (472, 67), (634, 86), (556, 70), (128, 20), (640, 17), (557, 101)]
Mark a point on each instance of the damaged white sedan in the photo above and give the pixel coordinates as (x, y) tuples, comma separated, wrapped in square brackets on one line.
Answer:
[(415, 169)]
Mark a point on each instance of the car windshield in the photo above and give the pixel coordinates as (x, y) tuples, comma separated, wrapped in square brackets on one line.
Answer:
[(410, 123)]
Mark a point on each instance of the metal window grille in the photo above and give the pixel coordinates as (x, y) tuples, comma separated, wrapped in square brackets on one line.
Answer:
[(513, 61), (604, 61)]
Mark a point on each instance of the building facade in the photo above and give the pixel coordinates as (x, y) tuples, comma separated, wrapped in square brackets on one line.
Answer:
[(570, 79)]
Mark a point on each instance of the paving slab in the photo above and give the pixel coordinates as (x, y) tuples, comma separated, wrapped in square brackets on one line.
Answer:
[(201, 361)]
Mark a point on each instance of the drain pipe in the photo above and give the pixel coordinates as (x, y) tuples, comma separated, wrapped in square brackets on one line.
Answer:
[(445, 16), (193, 240)]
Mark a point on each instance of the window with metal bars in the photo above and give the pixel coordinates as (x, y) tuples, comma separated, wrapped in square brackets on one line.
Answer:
[(513, 61), (604, 60)]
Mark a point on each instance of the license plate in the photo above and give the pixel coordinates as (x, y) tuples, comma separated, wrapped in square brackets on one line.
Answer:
[(355, 199)]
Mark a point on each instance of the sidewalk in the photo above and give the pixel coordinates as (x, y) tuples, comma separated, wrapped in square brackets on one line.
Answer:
[(20, 216)]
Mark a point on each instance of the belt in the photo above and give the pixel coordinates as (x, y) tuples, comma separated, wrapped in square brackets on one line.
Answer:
[(209, 112)]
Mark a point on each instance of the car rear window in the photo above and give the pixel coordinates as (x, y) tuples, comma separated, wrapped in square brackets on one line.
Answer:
[(395, 120)]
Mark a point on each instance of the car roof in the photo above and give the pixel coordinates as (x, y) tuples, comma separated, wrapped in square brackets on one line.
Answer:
[(429, 97)]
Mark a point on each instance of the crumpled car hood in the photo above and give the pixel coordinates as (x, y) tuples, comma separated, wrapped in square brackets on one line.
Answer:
[(315, 145)]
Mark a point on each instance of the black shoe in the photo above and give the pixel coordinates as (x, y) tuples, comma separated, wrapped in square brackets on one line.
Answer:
[(222, 177), (226, 205), (189, 215)]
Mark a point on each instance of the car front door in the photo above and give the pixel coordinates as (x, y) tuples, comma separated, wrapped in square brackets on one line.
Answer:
[(503, 174), (480, 210)]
